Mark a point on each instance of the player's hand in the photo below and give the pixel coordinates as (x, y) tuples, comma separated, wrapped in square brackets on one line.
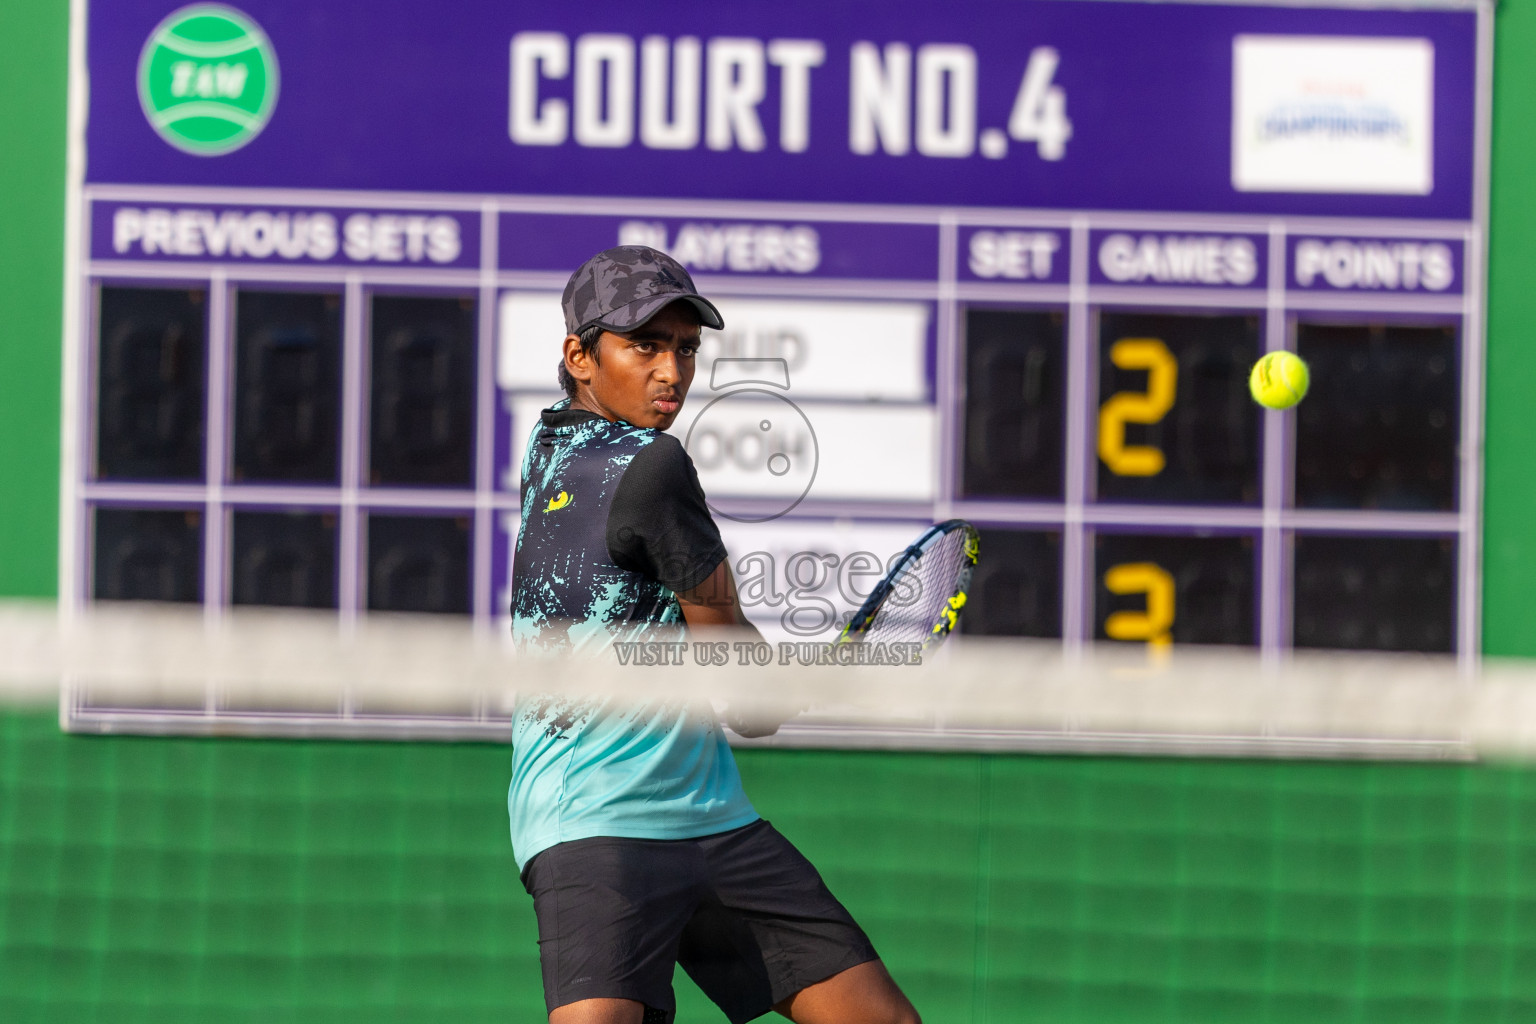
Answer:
[(757, 722)]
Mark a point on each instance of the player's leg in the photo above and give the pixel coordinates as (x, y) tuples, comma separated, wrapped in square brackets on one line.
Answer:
[(866, 994), (599, 1011), (610, 914), (770, 935)]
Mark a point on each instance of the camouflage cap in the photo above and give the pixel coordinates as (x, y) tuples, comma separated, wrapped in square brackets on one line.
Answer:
[(619, 289)]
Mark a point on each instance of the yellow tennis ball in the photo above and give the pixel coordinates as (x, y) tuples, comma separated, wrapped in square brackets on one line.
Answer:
[(1279, 380)]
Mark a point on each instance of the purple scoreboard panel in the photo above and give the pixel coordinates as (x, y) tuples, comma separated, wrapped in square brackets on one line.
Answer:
[(1007, 261)]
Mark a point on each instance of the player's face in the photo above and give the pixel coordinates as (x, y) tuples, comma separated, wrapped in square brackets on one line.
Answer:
[(642, 377)]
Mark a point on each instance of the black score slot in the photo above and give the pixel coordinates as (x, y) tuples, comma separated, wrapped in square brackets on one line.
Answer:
[(1015, 404), (1374, 593), (1176, 423), (1016, 589), (422, 395), (1380, 427), (150, 386), (147, 555), (284, 559), (1161, 589), (419, 564), (287, 393)]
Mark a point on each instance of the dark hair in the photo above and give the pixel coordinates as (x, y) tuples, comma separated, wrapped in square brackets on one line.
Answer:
[(588, 341)]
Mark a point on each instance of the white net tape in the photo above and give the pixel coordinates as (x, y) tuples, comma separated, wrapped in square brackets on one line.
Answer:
[(158, 669)]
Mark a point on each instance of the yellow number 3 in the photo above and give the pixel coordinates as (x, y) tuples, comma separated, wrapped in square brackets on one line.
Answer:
[(1152, 625), (1124, 407)]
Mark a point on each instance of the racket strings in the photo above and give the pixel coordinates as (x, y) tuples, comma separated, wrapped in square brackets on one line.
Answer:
[(920, 592)]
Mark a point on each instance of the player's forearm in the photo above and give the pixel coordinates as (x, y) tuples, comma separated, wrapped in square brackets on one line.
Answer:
[(714, 604)]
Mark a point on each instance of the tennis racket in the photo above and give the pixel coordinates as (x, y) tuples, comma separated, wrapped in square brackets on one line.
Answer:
[(921, 597)]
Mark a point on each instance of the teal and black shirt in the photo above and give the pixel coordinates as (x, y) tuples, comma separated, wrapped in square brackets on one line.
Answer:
[(614, 525)]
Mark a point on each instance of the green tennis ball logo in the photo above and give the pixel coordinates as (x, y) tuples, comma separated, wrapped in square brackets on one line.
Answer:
[(1279, 380), (208, 79)]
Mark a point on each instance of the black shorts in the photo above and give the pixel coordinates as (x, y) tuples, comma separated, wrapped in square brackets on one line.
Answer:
[(743, 911)]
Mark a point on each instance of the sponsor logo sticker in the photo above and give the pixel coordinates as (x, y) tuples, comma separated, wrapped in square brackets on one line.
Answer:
[(208, 79), (1332, 114)]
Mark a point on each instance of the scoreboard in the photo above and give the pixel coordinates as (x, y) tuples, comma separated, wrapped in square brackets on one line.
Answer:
[(1009, 262)]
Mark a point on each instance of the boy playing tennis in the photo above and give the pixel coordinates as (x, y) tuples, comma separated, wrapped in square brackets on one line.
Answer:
[(629, 824)]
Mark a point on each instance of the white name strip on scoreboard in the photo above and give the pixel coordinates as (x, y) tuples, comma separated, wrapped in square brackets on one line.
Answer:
[(858, 452), (870, 350), (830, 349), (843, 451)]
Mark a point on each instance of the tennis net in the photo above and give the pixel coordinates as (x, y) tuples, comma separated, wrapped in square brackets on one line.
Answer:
[(138, 668)]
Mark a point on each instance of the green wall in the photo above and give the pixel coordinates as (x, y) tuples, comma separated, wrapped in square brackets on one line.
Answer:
[(1509, 530), (166, 880), (32, 130)]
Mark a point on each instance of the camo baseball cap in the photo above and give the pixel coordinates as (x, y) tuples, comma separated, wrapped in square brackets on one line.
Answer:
[(619, 289)]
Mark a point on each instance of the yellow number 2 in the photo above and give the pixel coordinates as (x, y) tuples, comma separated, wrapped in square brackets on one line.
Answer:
[(1152, 625), (1124, 407)]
